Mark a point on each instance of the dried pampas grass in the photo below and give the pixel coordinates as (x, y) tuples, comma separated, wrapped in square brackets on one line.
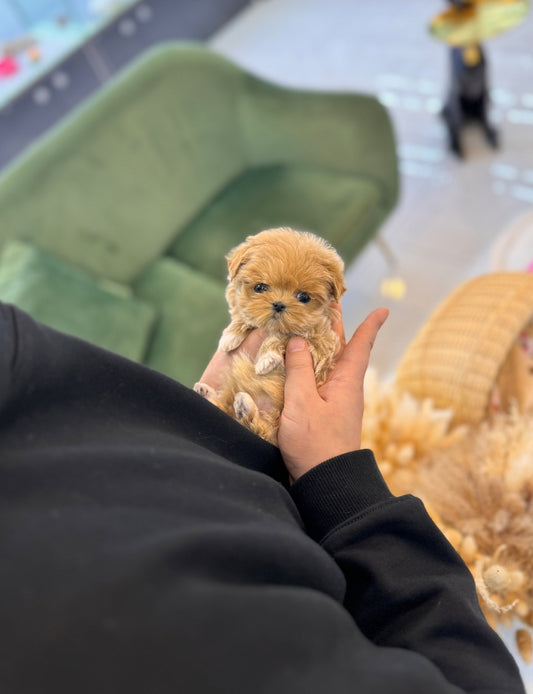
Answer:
[(402, 430), (481, 491), (477, 484)]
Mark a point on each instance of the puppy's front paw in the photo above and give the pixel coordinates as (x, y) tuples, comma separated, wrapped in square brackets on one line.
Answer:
[(244, 406), (205, 391), (229, 341), (268, 362)]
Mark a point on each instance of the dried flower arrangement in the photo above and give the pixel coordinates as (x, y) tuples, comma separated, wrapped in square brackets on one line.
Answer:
[(456, 429), (477, 484)]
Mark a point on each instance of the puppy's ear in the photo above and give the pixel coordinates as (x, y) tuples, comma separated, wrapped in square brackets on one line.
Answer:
[(337, 283), (236, 258)]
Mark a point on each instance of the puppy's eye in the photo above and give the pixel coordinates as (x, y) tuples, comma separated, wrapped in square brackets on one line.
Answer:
[(303, 297), (259, 288)]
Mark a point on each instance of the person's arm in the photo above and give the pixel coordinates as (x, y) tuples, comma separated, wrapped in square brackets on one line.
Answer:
[(406, 586), (7, 349)]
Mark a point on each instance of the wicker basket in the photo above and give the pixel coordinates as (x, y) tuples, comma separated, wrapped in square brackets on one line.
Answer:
[(456, 356)]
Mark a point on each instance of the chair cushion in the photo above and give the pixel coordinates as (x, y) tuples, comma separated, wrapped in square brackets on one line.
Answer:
[(192, 313), (331, 204), (69, 300)]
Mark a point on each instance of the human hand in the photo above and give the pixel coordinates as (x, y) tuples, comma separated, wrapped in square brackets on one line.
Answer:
[(221, 361), (320, 424)]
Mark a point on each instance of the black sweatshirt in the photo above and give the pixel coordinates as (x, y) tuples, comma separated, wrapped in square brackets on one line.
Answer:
[(152, 545)]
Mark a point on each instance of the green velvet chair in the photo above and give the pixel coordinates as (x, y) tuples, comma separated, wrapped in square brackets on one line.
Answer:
[(114, 226)]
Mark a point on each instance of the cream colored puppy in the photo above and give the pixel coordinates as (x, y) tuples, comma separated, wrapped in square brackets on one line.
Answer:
[(284, 282)]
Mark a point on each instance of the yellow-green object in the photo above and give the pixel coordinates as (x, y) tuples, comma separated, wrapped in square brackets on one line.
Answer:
[(480, 20)]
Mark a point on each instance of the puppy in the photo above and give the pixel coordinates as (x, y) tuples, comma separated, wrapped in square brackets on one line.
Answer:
[(282, 281)]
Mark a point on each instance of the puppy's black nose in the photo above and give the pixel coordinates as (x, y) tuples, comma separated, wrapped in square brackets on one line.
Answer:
[(278, 307)]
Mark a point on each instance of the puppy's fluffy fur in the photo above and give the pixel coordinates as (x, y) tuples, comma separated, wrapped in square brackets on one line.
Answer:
[(282, 281)]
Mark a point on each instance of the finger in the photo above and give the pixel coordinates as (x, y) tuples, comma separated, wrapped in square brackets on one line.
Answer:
[(221, 361), (354, 360), (252, 343), (300, 383), (214, 371)]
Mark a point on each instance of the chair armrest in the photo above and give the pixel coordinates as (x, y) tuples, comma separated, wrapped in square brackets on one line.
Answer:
[(347, 132)]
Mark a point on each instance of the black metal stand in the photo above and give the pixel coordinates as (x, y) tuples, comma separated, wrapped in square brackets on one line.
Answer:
[(468, 96)]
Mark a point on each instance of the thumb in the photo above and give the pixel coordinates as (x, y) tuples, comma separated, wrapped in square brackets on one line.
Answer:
[(300, 384)]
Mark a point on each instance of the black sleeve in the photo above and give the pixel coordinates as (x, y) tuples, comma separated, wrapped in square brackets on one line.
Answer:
[(8, 350), (406, 586), (149, 543)]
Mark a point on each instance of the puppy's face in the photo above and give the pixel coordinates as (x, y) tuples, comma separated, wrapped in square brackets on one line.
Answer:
[(284, 281)]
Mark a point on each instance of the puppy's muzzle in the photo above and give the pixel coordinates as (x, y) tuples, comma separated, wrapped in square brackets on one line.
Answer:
[(278, 307)]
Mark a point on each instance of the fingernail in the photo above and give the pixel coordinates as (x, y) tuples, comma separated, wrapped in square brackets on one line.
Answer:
[(296, 344)]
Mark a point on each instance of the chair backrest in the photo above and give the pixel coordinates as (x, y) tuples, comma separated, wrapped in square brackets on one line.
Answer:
[(110, 187)]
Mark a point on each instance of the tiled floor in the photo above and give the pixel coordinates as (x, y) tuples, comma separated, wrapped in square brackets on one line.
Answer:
[(451, 212)]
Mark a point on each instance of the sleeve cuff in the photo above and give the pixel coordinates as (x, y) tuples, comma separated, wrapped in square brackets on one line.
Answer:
[(338, 489)]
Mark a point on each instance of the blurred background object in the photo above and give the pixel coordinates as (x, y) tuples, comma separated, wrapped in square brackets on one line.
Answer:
[(56, 53), (464, 27)]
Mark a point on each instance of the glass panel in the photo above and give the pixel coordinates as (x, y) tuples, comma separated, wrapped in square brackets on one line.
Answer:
[(35, 35)]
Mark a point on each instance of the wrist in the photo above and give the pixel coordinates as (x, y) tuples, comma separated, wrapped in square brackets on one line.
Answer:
[(299, 468), (338, 489)]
